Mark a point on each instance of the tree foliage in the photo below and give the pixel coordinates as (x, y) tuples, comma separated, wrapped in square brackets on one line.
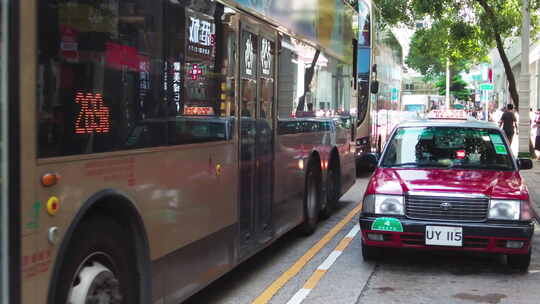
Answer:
[(444, 41), (458, 87), (461, 30)]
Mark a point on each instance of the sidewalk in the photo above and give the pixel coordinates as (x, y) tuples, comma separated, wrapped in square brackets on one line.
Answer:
[(532, 179)]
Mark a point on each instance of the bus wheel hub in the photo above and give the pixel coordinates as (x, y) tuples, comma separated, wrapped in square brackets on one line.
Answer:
[(95, 284)]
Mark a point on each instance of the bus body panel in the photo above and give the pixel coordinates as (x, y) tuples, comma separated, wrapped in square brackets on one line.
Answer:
[(173, 196), (187, 195)]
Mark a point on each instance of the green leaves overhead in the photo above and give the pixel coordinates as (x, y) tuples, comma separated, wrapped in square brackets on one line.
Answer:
[(462, 31), (458, 87), (458, 42)]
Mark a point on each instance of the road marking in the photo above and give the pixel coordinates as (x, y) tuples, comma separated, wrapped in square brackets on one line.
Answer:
[(267, 294), (312, 282)]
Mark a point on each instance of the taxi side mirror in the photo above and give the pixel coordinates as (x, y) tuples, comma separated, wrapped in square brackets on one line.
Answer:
[(370, 160), (525, 164)]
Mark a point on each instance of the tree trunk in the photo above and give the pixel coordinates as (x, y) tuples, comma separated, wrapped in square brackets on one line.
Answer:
[(508, 70), (500, 47)]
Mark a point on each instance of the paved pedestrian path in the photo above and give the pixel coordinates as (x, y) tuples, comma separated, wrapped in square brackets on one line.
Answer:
[(532, 179)]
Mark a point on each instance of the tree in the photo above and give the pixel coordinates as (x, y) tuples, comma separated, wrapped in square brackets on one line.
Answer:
[(458, 87), (432, 47), (480, 24)]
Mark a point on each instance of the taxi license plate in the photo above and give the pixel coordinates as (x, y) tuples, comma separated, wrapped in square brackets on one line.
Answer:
[(444, 236)]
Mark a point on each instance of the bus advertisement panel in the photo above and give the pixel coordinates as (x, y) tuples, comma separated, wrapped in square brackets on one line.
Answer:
[(326, 22)]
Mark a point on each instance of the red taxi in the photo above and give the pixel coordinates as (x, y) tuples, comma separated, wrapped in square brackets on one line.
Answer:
[(448, 185)]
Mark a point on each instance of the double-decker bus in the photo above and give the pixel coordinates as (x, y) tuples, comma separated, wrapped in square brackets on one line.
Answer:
[(158, 144), (380, 64)]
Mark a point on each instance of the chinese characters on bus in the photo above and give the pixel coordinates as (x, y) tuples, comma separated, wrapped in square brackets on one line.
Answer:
[(177, 68), (266, 56), (249, 55), (202, 37)]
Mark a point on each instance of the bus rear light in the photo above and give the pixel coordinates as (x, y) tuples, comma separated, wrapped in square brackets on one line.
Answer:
[(49, 179), (53, 205)]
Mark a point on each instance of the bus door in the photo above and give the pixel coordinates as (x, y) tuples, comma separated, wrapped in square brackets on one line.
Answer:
[(257, 81)]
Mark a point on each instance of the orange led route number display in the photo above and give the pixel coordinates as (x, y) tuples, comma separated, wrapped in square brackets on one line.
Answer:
[(94, 116), (202, 111)]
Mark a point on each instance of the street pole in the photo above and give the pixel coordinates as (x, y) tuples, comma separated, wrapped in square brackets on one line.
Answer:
[(486, 109), (447, 100), (524, 84), (537, 85)]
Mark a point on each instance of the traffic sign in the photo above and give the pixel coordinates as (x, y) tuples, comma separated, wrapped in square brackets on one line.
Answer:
[(394, 94), (486, 86)]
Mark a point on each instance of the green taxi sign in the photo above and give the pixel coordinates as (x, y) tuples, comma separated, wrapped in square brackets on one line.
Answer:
[(395, 94), (387, 224), (486, 86)]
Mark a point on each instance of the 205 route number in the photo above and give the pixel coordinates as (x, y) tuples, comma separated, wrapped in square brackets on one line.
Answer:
[(444, 236)]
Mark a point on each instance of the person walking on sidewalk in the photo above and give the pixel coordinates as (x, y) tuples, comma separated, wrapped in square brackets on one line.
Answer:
[(508, 122)]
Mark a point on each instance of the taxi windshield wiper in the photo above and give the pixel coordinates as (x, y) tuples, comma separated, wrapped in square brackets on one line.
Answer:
[(419, 165), (480, 167)]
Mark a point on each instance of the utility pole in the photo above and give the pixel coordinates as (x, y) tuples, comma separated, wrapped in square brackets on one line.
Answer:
[(447, 100), (524, 84), (537, 85)]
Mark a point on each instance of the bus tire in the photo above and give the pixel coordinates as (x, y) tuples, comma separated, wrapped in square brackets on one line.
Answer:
[(332, 189), (99, 264), (312, 200)]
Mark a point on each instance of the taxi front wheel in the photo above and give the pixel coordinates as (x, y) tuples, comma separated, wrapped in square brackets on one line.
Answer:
[(370, 253), (519, 262)]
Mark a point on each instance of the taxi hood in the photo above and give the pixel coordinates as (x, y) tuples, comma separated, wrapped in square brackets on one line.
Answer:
[(495, 184)]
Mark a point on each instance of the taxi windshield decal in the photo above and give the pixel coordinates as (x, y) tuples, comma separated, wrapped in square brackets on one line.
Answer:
[(501, 149), (496, 139)]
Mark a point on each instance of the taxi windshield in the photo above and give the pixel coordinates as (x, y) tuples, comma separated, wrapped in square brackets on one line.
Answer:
[(448, 147)]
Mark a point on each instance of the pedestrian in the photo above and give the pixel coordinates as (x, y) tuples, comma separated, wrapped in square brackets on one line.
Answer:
[(508, 122), (536, 128)]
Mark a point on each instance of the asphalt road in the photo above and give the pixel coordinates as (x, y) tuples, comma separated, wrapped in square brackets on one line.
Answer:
[(327, 268)]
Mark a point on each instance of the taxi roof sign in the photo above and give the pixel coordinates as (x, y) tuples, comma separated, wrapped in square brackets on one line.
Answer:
[(448, 114)]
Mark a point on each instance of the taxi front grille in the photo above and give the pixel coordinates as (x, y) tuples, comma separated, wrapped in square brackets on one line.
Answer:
[(441, 208)]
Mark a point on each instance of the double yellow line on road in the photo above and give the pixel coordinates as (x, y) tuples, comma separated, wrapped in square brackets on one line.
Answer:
[(266, 295)]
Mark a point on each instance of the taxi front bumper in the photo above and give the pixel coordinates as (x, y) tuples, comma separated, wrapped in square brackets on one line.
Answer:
[(480, 237)]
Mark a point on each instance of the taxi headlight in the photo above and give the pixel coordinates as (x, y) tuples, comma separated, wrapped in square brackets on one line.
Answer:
[(383, 204), (504, 210)]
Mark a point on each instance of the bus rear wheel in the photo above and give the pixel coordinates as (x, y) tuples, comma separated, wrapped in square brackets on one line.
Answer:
[(312, 201), (332, 190), (99, 266)]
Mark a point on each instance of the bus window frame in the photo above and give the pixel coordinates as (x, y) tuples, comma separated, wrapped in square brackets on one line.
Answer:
[(10, 215)]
